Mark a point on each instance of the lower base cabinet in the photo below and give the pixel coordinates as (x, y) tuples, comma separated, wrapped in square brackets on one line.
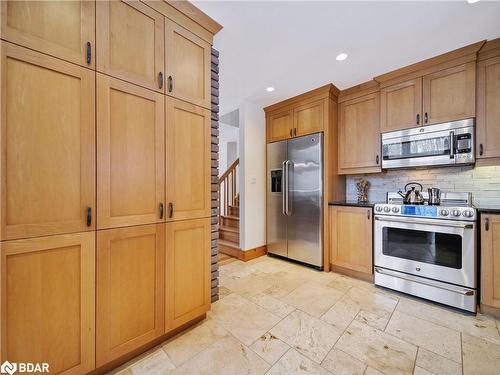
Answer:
[(48, 294), (187, 272), (490, 262), (130, 289), (351, 238)]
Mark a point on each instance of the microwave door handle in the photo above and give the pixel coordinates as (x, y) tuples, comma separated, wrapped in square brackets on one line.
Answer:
[(438, 223), (452, 145)]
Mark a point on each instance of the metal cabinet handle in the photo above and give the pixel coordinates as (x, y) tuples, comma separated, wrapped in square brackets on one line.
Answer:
[(89, 53), (486, 224), (368, 214), (426, 118), (291, 133), (295, 131), (481, 149), (161, 210), (170, 83), (170, 209), (418, 118), (377, 159), (160, 80), (89, 216)]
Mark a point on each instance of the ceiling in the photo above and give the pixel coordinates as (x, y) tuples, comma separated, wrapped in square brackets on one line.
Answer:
[(292, 45)]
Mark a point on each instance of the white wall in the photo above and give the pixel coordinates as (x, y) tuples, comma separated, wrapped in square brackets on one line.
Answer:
[(252, 183), (228, 135)]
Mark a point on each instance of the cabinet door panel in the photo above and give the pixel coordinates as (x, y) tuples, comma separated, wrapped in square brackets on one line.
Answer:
[(359, 144), (130, 42), (188, 271), (48, 295), (279, 125), (188, 160), (131, 153), (450, 94), (130, 289), (488, 108), (490, 260), (187, 65), (401, 105), (48, 150), (351, 238), (58, 28), (309, 118)]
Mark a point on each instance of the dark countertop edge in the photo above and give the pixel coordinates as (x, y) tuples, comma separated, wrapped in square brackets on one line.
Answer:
[(352, 203), (489, 210)]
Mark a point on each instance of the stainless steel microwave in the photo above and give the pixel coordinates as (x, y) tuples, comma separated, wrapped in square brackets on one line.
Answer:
[(450, 143)]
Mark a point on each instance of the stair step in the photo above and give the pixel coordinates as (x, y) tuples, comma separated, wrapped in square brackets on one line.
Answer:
[(230, 221), (229, 247), (234, 210), (229, 236), (227, 228)]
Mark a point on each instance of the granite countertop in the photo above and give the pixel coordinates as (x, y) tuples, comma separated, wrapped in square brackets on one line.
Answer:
[(353, 203), (489, 209)]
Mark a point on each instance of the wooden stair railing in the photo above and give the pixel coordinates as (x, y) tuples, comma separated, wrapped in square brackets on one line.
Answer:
[(228, 188)]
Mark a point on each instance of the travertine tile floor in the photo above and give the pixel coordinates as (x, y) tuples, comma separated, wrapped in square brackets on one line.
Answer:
[(275, 317)]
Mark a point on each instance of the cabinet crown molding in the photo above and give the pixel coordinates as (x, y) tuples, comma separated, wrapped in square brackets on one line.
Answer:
[(325, 91), (362, 89)]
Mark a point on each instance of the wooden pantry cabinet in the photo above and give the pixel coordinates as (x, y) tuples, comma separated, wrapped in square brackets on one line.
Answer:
[(359, 135), (130, 43), (187, 282), (130, 154), (47, 294), (188, 161), (64, 29), (47, 145), (490, 263), (188, 65), (130, 289), (351, 239)]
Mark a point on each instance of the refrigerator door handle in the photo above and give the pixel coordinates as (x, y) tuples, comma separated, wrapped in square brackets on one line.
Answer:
[(283, 187), (286, 191)]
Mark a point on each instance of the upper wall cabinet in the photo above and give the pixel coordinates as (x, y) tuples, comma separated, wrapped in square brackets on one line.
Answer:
[(488, 108), (64, 29), (130, 154), (359, 135), (187, 65), (188, 161), (401, 105), (130, 43), (450, 94), (47, 145), (280, 125), (309, 117)]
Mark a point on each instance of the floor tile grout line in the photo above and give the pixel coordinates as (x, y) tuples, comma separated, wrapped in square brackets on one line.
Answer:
[(462, 351)]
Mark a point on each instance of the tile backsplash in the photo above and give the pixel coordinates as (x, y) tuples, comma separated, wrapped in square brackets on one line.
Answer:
[(482, 182)]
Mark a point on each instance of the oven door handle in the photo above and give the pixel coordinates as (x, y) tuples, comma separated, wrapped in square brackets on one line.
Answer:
[(419, 280), (413, 220)]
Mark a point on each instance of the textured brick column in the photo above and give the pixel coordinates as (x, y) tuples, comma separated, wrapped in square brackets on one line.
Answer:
[(215, 173)]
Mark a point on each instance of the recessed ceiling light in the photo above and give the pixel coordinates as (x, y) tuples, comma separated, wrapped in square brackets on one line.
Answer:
[(270, 89), (341, 56), (472, 1)]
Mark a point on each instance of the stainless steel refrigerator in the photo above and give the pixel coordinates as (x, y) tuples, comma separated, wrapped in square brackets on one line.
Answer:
[(295, 199)]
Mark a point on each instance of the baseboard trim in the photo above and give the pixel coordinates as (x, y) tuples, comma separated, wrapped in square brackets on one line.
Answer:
[(245, 255), (352, 273), (490, 310)]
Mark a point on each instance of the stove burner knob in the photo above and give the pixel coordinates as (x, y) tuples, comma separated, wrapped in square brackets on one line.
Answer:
[(378, 209), (395, 210), (444, 212), (468, 213), (387, 209), (456, 212)]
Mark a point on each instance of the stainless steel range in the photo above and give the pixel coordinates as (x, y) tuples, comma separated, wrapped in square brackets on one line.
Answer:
[(426, 250)]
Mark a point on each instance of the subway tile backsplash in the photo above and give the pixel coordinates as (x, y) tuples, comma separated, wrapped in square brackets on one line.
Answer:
[(482, 182)]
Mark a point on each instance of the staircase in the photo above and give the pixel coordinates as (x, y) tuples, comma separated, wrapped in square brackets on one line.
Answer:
[(229, 212)]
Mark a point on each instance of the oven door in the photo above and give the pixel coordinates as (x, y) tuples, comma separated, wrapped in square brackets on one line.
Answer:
[(436, 249)]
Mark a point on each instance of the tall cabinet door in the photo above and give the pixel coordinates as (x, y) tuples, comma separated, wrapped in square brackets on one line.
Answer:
[(188, 161), (130, 42), (48, 296), (359, 145), (187, 65), (64, 29), (47, 145), (130, 289), (450, 94), (309, 118), (401, 105), (490, 260), (187, 271), (488, 108), (130, 155)]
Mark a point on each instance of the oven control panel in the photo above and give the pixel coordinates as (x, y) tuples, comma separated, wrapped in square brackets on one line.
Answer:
[(462, 213)]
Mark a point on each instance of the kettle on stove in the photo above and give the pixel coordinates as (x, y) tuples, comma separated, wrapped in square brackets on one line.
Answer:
[(412, 195)]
